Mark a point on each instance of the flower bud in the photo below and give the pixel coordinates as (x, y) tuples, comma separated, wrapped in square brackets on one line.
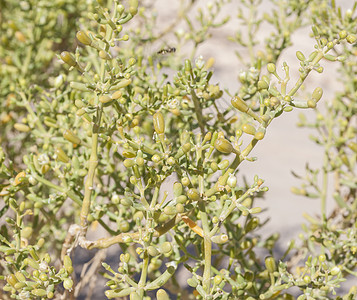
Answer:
[(317, 94), (342, 34), (68, 58), (162, 295), (249, 129), (193, 195), (83, 38), (223, 164), (133, 7), (165, 247), (39, 292), (224, 146), (351, 38), (20, 177), (152, 251), (61, 155), (271, 68), (105, 99), (300, 56), (67, 263), (70, 136), (239, 104), (270, 264), (22, 127), (177, 189), (68, 283), (159, 123)]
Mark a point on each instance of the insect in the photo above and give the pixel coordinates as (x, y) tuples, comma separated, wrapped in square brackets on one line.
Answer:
[(167, 50)]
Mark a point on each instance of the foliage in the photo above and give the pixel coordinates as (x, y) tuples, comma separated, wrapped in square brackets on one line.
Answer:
[(95, 128)]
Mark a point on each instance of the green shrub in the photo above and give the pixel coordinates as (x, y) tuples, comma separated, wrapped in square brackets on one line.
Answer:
[(99, 129)]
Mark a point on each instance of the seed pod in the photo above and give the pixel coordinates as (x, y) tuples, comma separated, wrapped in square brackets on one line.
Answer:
[(239, 104), (159, 123), (22, 127), (224, 146), (68, 58), (249, 129), (193, 195), (317, 94), (217, 279), (270, 264), (70, 136), (83, 38)]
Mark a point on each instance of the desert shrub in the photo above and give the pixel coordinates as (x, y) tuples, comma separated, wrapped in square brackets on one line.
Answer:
[(100, 129)]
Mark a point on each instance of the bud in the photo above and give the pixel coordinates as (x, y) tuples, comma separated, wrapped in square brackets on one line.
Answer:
[(249, 129), (152, 251), (342, 34), (239, 104), (133, 7), (68, 58), (70, 136), (193, 195), (22, 127), (105, 99), (159, 123), (300, 56), (83, 38), (67, 263), (68, 283), (61, 155), (39, 292), (317, 94), (165, 247), (224, 146), (270, 264), (162, 295), (351, 38), (20, 177), (271, 68)]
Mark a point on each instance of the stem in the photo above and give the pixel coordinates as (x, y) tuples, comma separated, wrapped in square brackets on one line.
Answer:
[(144, 273), (93, 163), (206, 282), (198, 111)]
